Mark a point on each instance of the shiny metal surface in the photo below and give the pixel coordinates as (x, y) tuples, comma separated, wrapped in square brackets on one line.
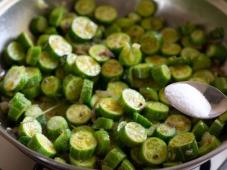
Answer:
[(215, 97), (16, 14)]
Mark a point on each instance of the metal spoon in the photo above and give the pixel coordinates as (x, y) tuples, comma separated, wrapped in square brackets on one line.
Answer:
[(215, 97)]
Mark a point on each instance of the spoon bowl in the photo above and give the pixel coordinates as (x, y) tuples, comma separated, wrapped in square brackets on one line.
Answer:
[(216, 99)]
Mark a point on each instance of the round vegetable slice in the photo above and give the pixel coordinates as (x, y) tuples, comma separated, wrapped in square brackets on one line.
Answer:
[(154, 151), (132, 100), (116, 41), (105, 14), (155, 60), (130, 55), (141, 120), (110, 108), (180, 122), (15, 79), (83, 29), (47, 63), (126, 165), (55, 126), (165, 132), (146, 8), (14, 53), (78, 114), (25, 40), (69, 62), (116, 88), (156, 111), (183, 147), (17, 106), (113, 158), (38, 25), (34, 76), (34, 111), (56, 16), (29, 127), (103, 139), (85, 7), (87, 163), (133, 134), (82, 144), (50, 86), (42, 144), (72, 86), (103, 123), (171, 49), (100, 53), (170, 35), (151, 42), (181, 72), (61, 143), (161, 74), (112, 70), (86, 66), (58, 46)]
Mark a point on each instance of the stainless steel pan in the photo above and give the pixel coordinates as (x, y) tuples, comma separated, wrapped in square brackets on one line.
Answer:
[(16, 14)]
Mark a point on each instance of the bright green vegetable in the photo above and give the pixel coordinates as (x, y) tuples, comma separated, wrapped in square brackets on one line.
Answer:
[(25, 40), (199, 129), (105, 14), (33, 55), (86, 91), (165, 132), (132, 100), (61, 143), (103, 123), (133, 134), (171, 49), (113, 158), (156, 111), (103, 139), (198, 37), (216, 128), (142, 71), (153, 151), (72, 86), (87, 163), (47, 63), (85, 7), (33, 111), (170, 35), (50, 86), (221, 83), (56, 16), (146, 8), (78, 114), (55, 126), (115, 88), (126, 165), (161, 74), (17, 106), (100, 53), (82, 144), (141, 120), (183, 147), (38, 25), (151, 42), (149, 93), (181, 72), (42, 144)]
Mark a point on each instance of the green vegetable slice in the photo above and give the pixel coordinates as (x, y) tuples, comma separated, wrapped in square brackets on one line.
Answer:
[(17, 106), (72, 86), (183, 147), (216, 127), (83, 29), (47, 63), (146, 8), (115, 88), (180, 122), (58, 46), (151, 42), (165, 132), (110, 108), (55, 126), (25, 40), (162, 97), (33, 55), (50, 86), (161, 74), (14, 53), (141, 120), (112, 70), (181, 72), (56, 16), (29, 127), (87, 163), (38, 25), (199, 129), (170, 35), (78, 114), (34, 76), (133, 134), (154, 151), (105, 14), (103, 123), (156, 111), (42, 144), (15, 79), (82, 144), (61, 143), (86, 66), (206, 75), (113, 158), (132, 100), (149, 93), (171, 49), (33, 111), (85, 7), (103, 139), (126, 165), (130, 55), (86, 92), (142, 71), (155, 60), (100, 53), (116, 41)]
